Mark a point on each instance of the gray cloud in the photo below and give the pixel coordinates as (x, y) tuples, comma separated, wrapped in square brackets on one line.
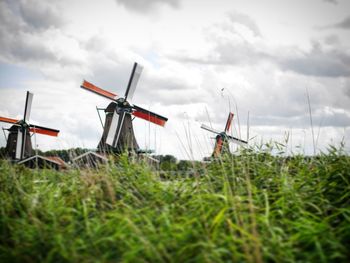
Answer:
[(245, 20), (146, 6), (322, 119), (277, 97), (21, 27), (240, 53), (273, 80), (31, 15), (167, 91), (347, 87), (332, 40), (234, 49), (167, 94), (344, 24), (317, 62), (26, 51), (40, 14), (29, 35), (110, 75), (335, 2)]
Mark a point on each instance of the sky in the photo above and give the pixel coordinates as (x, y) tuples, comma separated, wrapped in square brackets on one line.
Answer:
[(282, 67)]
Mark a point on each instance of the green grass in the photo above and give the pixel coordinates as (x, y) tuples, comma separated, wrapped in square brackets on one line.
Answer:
[(255, 207)]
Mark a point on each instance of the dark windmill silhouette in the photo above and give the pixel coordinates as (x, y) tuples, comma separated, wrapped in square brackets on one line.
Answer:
[(223, 138), (19, 145), (118, 133)]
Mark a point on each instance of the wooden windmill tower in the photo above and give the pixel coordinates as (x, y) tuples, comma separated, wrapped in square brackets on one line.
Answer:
[(118, 134), (223, 138), (19, 145)]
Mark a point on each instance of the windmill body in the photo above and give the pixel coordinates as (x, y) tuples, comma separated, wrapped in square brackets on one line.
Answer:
[(11, 144), (19, 145), (127, 140), (118, 133), (223, 139)]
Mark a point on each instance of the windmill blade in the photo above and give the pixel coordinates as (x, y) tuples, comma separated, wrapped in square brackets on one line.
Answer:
[(149, 116), (19, 143), (28, 106), (104, 93), (134, 78), (229, 121), (24, 138), (8, 120), (205, 127), (43, 130), (236, 140), (115, 128)]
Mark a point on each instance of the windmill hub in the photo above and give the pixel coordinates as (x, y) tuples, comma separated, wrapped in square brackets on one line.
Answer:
[(126, 109), (121, 101), (124, 104), (23, 124), (223, 134)]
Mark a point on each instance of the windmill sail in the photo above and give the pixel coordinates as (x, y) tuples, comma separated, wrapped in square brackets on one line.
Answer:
[(134, 79), (8, 120), (104, 93), (115, 128), (236, 140), (205, 127), (19, 143), (28, 106), (229, 121), (22, 136), (43, 130), (149, 116)]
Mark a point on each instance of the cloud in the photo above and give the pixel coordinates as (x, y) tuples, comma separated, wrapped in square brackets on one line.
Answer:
[(21, 27), (40, 14), (245, 20), (344, 24), (232, 48), (142, 6), (29, 16), (332, 40), (326, 117), (31, 35), (267, 80), (335, 2), (347, 87), (317, 62), (237, 40)]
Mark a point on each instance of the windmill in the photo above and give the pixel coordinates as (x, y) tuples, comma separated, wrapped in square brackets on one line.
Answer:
[(223, 138), (118, 134), (19, 145)]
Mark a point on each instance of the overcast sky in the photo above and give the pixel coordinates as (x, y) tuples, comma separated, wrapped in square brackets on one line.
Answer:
[(202, 59)]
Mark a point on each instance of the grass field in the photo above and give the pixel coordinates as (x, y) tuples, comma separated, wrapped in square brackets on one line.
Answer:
[(252, 207)]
